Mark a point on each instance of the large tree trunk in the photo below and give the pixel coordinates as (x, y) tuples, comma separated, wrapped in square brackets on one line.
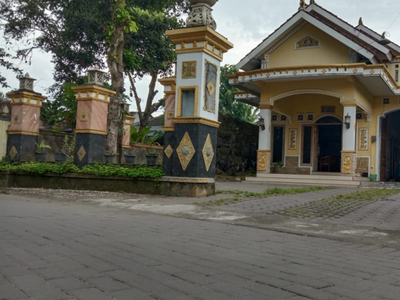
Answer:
[(116, 68)]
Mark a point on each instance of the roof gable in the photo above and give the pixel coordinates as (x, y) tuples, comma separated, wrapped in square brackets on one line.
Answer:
[(338, 29)]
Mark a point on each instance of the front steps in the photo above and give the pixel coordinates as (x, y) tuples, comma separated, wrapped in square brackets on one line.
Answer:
[(318, 179)]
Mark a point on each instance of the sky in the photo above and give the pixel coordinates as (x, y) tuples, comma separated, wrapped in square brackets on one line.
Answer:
[(246, 24)]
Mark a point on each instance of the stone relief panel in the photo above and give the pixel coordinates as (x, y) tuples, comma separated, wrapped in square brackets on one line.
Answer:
[(211, 74), (292, 139), (363, 139)]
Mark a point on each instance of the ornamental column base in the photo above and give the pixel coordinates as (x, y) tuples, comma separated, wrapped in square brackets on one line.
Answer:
[(21, 147), (263, 162), (349, 163), (89, 148), (188, 187)]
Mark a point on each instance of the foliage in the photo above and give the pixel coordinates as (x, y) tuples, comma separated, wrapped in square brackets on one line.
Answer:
[(145, 136), (41, 146), (95, 169), (153, 56), (5, 63), (83, 34), (227, 103), (68, 147), (60, 112)]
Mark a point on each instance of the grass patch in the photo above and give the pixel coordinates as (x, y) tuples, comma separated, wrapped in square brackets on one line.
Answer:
[(239, 196), (339, 205), (95, 169)]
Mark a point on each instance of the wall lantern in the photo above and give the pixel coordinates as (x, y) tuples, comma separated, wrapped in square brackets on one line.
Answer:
[(261, 123), (347, 121)]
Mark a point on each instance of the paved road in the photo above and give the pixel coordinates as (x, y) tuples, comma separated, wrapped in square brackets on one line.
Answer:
[(57, 250)]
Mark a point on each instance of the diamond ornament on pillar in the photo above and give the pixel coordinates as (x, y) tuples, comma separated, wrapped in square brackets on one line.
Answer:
[(185, 151), (208, 152)]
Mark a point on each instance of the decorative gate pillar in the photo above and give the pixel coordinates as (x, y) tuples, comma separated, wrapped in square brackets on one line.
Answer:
[(264, 140), (199, 49), (349, 159), (91, 119), (169, 127), (25, 119)]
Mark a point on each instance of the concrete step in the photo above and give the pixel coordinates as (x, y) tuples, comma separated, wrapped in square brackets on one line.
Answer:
[(308, 177), (305, 181)]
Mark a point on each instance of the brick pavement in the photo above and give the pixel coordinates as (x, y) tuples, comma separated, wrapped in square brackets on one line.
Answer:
[(52, 250)]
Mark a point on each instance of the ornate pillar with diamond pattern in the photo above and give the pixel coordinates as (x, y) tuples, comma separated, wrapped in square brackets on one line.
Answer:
[(192, 146), (25, 119), (169, 127), (91, 119)]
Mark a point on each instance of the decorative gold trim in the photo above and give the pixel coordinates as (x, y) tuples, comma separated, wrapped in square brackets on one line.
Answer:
[(92, 99), (169, 151), (199, 34), (183, 120), (128, 117), (93, 89), (196, 99), (81, 153), (262, 160), (168, 129), (208, 153), (141, 145), (293, 139), (347, 162), (99, 132), (363, 134), (13, 152), (348, 152), (199, 49), (126, 146), (168, 81), (27, 95), (22, 133), (185, 151), (189, 69)]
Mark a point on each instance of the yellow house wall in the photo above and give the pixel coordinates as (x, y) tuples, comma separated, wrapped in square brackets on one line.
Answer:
[(3, 137), (304, 104), (330, 51)]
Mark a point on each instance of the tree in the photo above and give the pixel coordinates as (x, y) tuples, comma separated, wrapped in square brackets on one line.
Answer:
[(227, 103), (5, 63), (153, 56), (82, 34)]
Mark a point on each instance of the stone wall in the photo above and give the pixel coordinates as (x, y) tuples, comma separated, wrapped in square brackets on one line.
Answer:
[(362, 165), (236, 146), (291, 167)]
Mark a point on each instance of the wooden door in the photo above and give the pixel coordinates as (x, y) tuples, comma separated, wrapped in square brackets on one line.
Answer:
[(383, 149)]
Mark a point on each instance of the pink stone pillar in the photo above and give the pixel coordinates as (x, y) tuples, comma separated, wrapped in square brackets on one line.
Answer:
[(25, 119), (91, 120)]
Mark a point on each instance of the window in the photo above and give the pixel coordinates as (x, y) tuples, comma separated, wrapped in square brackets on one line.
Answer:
[(187, 101)]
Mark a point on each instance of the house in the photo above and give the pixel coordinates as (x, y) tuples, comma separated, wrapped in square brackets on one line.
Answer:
[(328, 94)]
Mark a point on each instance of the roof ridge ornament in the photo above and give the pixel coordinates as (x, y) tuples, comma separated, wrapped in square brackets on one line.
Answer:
[(360, 22), (302, 4), (312, 2), (201, 14)]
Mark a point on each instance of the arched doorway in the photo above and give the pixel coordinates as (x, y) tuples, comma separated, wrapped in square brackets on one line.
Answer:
[(328, 143), (390, 147)]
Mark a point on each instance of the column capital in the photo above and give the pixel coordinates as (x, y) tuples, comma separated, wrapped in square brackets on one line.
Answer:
[(265, 106), (349, 103)]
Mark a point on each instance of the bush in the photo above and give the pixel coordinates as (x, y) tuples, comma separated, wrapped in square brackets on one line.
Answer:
[(95, 169)]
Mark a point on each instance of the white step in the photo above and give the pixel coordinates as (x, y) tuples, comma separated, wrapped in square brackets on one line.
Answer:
[(305, 181), (309, 177)]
